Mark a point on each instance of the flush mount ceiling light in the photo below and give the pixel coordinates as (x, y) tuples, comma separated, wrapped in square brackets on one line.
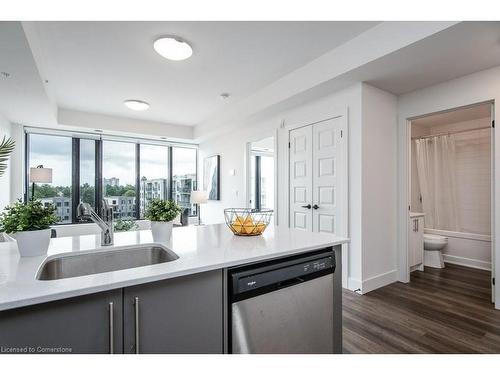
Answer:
[(173, 48), (136, 105)]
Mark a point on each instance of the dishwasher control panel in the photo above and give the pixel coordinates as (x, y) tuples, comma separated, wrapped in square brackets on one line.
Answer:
[(282, 274)]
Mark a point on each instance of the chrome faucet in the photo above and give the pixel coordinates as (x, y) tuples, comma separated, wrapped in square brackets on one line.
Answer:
[(84, 211)]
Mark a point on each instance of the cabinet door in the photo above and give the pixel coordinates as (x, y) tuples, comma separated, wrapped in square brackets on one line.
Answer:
[(411, 242), (180, 315), (419, 241), (75, 325)]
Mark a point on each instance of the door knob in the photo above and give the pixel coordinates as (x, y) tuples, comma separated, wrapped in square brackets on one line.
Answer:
[(308, 206), (315, 206)]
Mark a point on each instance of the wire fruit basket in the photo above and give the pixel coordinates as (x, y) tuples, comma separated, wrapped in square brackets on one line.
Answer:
[(247, 221)]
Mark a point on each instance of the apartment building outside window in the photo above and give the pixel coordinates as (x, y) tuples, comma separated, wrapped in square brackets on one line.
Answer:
[(127, 175)]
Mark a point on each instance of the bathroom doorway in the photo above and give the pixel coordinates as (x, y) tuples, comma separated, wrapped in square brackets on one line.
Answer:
[(450, 180)]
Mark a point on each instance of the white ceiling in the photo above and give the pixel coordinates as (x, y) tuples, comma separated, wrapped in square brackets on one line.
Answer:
[(462, 49), (95, 66), (23, 98), (471, 113)]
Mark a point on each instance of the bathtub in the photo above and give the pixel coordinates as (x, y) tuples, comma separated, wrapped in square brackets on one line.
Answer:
[(466, 249)]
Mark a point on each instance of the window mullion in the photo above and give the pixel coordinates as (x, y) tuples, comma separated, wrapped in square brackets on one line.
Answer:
[(98, 177), (137, 181), (75, 180)]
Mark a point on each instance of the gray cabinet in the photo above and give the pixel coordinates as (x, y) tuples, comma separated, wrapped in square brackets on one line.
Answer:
[(180, 315), (85, 324)]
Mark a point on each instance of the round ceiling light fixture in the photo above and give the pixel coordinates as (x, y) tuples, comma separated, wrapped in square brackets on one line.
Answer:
[(136, 105), (173, 48)]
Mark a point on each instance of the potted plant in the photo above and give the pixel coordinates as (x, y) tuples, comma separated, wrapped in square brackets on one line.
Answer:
[(29, 224), (161, 213), (121, 225)]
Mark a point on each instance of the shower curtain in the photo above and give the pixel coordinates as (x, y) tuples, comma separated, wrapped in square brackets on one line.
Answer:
[(436, 158)]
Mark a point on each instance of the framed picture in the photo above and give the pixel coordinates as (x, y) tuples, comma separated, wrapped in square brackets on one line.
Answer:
[(211, 177)]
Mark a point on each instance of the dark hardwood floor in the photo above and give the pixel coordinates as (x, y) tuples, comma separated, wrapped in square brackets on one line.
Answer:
[(439, 311)]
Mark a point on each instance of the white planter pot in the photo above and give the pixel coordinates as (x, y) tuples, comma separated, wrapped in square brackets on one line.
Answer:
[(161, 230), (33, 243)]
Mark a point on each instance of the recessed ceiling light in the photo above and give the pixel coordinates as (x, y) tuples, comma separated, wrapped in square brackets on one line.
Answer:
[(173, 48), (5, 75), (136, 105), (224, 96)]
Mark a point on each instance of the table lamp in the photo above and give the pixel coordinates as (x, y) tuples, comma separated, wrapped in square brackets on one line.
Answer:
[(199, 197), (39, 174)]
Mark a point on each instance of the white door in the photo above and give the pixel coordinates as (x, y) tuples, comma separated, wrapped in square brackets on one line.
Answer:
[(301, 178), (328, 176)]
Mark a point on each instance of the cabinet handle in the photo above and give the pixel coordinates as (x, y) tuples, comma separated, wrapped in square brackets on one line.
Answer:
[(111, 329), (315, 206), (417, 225), (307, 206), (136, 305)]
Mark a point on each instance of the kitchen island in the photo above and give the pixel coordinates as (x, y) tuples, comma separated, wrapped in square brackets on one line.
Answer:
[(198, 276)]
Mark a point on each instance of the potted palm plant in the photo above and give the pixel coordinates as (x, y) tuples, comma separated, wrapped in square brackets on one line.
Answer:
[(29, 224), (161, 213)]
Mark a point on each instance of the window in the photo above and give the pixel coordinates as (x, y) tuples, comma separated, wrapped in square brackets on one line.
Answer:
[(184, 177), (53, 152), (87, 171), (262, 174), (154, 175), (131, 174), (119, 177)]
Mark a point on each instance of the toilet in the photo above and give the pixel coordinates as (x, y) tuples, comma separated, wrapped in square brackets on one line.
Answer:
[(433, 244)]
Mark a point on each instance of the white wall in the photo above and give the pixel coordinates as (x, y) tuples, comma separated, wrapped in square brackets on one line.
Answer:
[(474, 88), (232, 148), (379, 181), (5, 131), (372, 128), (17, 164)]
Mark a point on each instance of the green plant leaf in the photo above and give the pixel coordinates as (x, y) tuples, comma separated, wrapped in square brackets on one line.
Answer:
[(6, 148), (22, 217), (162, 210)]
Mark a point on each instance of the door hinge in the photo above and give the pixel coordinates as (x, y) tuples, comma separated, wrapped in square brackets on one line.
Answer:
[(341, 133), (409, 208), (289, 145), (493, 281), (493, 123)]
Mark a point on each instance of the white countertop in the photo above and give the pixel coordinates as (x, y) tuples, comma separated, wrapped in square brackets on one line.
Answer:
[(199, 249)]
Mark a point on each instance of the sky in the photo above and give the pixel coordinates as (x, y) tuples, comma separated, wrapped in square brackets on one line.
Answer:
[(118, 159)]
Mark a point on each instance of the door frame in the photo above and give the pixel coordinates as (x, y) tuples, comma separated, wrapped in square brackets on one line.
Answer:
[(404, 201), (247, 172), (345, 196)]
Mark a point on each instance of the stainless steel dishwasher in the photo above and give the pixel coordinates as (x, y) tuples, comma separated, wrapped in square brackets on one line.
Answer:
[(283, 306)]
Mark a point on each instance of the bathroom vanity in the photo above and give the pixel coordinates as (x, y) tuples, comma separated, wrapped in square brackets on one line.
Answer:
[(416, 241), (179, 305)]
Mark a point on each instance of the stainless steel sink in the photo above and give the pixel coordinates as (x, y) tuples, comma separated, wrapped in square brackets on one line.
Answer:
[(72, 265)]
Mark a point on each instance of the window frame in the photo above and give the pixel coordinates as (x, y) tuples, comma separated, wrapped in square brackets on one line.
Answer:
[(99, 189)]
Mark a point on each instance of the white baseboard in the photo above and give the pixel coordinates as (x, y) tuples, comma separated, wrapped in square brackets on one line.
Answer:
[(353, 284), (467, 262), (379, 281)]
